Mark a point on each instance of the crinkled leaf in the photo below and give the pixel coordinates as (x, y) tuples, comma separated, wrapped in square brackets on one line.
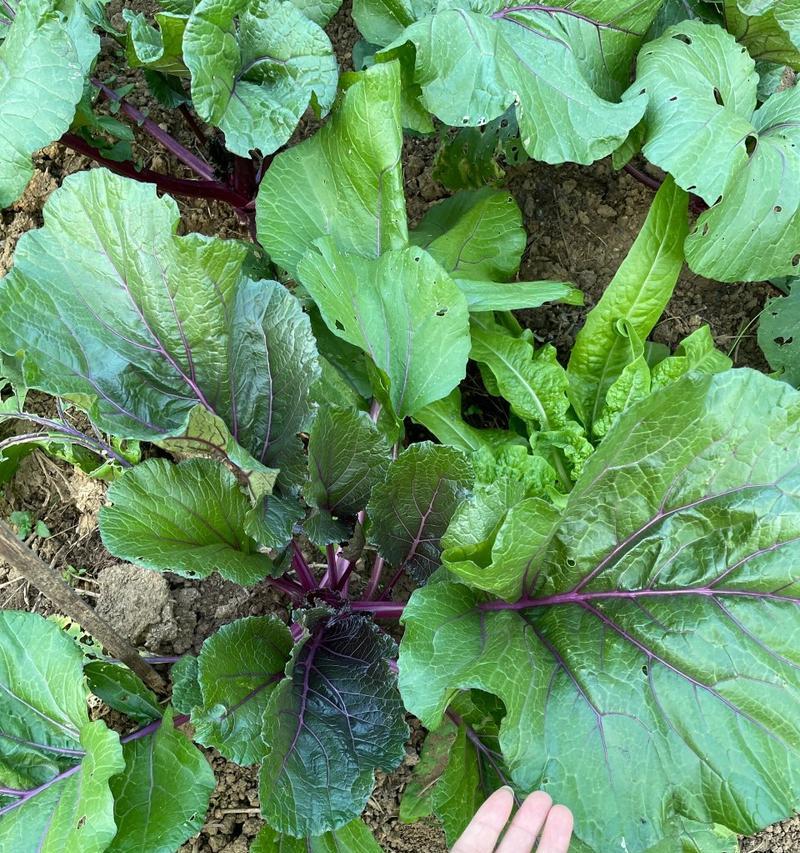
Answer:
[(122, 690), (474, 234), (44, 60), (779, 335), (653, 656), (474, 60), (694, 352), (353, 837), (769, 29), (329, 726), (318, 11), (46, 730), (637, 294), (238, 670), (347, 456), (186, 518), (403, 310), (255, 66), (139, 326), (346, 181), (409, 512), (186, 693), (700, 126), (272, 520), (158, 49), (161, 798)]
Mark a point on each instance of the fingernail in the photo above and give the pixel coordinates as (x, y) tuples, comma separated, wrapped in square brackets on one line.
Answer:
[(508, 788)]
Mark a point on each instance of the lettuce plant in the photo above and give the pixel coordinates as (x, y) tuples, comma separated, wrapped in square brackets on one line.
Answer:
[(597, 595)]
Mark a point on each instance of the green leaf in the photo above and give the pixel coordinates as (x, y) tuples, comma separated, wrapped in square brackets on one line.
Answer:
[(769, 29), (403, 310), (444, 419), (161, 798), (675, 565), (186, 693), (272, 521), (347, 456), (383, 21), (254, 79), (44, 60), (318, 11), (122, 690), (329, 726), (476, 235), (694, 352), (185, 518), (417, 801), (45, 731), (498, 296), (474, 60), (142, 325), (638, 295), (238, 670), (409, 512), (779, 335), (346, 181), (157, 49), (701, 127), (353, 837)]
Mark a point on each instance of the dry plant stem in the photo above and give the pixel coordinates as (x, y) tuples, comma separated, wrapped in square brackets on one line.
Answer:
[(49, 582)]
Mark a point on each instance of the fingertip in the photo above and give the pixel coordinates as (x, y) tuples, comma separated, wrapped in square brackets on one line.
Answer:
[(539, 800), (562, 815)]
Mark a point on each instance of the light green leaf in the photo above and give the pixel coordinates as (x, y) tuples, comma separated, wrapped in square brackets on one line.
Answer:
[(474, 60), (330, 725), (498, 296), (161, 798), (444, 419), (347, 456), (652, 655), (346, 181), (44, 60), (383, 21), (138, 326), (475, 235), (701, 127), (185, 518), (157, 49), (779, 335), (409, 512), (695, 352), (769, 29), (403, 310), (637, 294), (353, 837), (318, 11), (122, 690), (238, 670), (46, 731), (255, 78)]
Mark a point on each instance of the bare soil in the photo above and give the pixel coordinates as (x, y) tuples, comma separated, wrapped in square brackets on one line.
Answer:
[(581, 222)]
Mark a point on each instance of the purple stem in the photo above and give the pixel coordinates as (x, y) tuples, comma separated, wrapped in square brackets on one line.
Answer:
[(302, 569), (297, 631), (332, 577), (197, 164), (11, 792), (287, 585), (374, 578), (157, 659), (193, 123), (381, 609), (642, 177), (45, 747), (390, 586)]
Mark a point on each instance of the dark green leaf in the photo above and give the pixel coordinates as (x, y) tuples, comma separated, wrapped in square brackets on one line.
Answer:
[(779, 335), (122, 690), (351, 838), (186, 693)]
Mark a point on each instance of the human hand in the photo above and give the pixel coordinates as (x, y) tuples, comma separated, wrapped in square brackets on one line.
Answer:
[(537, 814)]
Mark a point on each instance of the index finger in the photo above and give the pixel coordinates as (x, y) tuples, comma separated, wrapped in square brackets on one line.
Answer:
[(484, 829)]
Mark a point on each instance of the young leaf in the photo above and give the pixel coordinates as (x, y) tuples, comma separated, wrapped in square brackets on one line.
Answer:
[(122, 690), (329, 726), (157, 49), (694, 352), (346, 181), (44, 60), (403, 310), (496, 296), (637, 294), (185, 518), (685, 597), (255, 66), (48, 746), (409, 512), (139, 326), (383, 21), (161, 798), (779, 335), (353, 837), (701, 127), (476, 235), (347, 456), (238, 670), (474, 61)]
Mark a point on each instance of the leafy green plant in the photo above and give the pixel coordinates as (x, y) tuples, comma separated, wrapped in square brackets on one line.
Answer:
[(598, 594)]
